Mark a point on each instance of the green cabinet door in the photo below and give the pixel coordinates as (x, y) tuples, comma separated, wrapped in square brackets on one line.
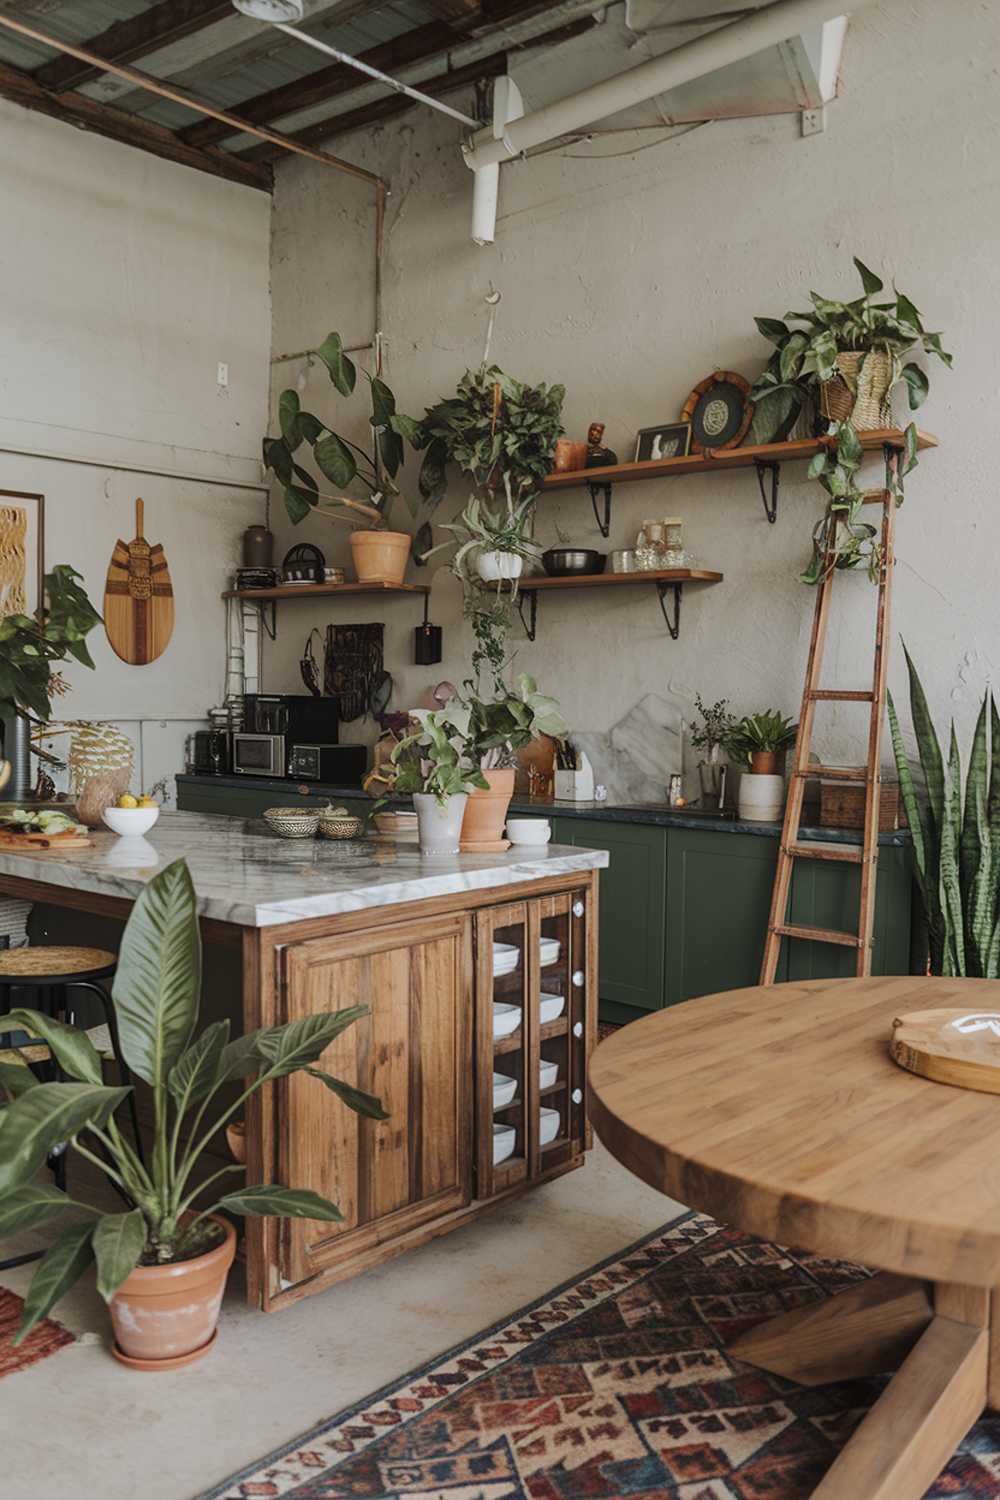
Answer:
[(250, 801), (826, 894), (718, 900), (630, 909)]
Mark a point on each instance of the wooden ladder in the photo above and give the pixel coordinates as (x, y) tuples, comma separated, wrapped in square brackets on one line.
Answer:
[(778, 925)]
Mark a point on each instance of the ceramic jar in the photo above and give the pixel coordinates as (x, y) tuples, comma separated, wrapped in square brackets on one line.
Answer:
[(439, 824)]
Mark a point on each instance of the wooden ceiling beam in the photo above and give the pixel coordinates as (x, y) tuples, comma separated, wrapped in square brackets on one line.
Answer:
[(136, 37), (130, 130), (337, 78)]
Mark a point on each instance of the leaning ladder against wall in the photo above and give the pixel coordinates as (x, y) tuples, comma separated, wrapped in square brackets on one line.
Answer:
[(870, 774)]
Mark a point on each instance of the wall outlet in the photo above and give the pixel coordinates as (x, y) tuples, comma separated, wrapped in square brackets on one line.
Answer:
[(222, 374)]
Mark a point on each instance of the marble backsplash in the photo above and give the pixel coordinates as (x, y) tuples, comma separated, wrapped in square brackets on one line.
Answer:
[(636, 757)]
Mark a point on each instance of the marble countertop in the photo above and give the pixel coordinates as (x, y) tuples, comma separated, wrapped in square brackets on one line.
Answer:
[(660, 814), (244, 874)]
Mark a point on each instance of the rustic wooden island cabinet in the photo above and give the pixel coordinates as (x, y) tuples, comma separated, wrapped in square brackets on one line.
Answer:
[(316, 926)]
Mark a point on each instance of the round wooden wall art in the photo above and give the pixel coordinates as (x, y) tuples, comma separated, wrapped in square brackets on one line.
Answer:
[(719, 410), (960, 1047)]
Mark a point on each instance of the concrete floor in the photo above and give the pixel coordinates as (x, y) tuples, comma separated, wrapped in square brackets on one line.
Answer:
[(79, 1424)]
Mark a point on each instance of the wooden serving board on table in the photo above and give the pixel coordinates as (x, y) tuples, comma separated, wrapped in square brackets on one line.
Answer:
[(44, 843), (138, 598), (959, 1047)]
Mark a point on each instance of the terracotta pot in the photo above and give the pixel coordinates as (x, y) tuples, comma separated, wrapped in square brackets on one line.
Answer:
[(765, 762), (486, 813), (568, 455), (166, 1316), (236, 1140), (380, 556)]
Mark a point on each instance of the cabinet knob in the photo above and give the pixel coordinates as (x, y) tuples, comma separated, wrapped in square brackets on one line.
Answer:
[(578, 1029), (578, 908), (579, 978), (577, 1096)]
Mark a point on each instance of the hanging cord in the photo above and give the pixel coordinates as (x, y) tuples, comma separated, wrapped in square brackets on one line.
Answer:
[(492, 299)]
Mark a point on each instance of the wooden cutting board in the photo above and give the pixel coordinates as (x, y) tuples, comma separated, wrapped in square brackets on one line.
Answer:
[(44, 843), (960, 1047), (138, 599)]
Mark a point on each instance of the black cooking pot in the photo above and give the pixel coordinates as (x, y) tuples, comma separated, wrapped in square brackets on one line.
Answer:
[(567, 562)]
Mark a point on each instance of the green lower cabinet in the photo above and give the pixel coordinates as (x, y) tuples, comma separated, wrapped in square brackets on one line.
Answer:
[(826, 894), (250, 801), (630, 911)]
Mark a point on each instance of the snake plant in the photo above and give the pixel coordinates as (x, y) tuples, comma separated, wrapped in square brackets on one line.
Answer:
[(956, 848)]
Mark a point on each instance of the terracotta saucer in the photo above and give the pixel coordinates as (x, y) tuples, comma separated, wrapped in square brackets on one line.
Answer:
[(484, 846), (173, 1363)]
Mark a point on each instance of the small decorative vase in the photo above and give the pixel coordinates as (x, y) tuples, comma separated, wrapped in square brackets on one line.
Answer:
[(710, 780), (167, 1316), (495, 566), (258, 547), (486, 813), (761, 798), (439, 824), (380, 556)]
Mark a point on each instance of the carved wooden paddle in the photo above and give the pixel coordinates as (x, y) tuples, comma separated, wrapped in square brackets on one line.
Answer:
[(138, 598)]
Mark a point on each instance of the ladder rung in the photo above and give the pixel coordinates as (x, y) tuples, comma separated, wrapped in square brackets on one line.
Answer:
[(840, 695), (848, 854), (835, 773), (818, 935)]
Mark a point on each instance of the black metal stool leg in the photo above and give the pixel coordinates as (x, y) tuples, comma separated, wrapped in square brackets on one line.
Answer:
[(123, 1069)]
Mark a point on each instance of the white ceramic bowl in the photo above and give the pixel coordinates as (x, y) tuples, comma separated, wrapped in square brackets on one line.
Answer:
[(548, 1125), (505, 958), (548, 1074), (550, 1007), (504, 1089), (549, 950), (506, 1019), (130, 822), (529, 830), (504, 1137)]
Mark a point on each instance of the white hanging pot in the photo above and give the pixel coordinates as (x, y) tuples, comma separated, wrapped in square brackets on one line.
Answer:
[(761, 798), (439, 825), (492, 567)]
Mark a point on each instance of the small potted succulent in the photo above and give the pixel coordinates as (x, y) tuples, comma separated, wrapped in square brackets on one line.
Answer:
[(757, 743), (434, 765), (163, 1254)]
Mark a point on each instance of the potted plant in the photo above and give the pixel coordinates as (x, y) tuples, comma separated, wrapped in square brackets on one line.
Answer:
[(847, 356), (954, 848), (498, 728), (433, 764), (379, 555), (162, 1259), (758, 742), (493, 545), (710, 738)]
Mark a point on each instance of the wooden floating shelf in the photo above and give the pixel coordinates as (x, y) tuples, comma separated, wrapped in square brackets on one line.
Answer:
[(666, 580), (714, 459), (325, 590)]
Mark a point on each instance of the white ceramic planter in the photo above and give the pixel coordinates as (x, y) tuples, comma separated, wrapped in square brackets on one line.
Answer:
[(761, 798), (493, 567), (439, 825)]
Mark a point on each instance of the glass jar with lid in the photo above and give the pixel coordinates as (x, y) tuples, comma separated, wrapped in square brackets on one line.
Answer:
[(649, 546)]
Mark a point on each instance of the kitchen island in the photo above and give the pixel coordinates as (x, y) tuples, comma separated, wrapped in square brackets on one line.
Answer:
[(447, 952)]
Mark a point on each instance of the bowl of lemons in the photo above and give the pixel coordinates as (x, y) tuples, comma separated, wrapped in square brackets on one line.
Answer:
[(131, 817)]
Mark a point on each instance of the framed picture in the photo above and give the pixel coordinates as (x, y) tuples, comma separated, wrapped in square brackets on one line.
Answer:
[(672, 440), (719, 410), (22, 552)]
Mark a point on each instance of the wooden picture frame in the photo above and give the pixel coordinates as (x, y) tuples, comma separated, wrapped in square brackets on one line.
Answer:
[(666, 440), (22, 552), (694, 408)]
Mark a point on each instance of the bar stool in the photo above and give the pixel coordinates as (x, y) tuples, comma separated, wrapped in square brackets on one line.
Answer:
[(54, 975)]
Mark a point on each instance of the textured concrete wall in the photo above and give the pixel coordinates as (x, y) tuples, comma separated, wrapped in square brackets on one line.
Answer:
[(629, 270)]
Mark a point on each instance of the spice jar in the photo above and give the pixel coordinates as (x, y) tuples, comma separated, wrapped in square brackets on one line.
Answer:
[(673, 542), (649, 546)]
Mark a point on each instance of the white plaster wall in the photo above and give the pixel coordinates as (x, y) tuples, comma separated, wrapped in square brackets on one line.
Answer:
[(126, 280), (631, 277)]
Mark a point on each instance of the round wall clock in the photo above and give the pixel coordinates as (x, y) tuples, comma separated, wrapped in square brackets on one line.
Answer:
[(719, 410)]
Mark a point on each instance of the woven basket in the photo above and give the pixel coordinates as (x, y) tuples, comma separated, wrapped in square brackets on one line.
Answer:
[(859, 394)]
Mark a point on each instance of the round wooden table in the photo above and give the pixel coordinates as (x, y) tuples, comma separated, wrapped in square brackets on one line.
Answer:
[(778, 1110)]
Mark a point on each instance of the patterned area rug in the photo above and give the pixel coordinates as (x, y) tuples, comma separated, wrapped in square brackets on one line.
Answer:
[(615, 1385), (44, 1339)]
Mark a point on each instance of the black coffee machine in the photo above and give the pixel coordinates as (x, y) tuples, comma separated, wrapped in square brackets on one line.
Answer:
[(300, 717)]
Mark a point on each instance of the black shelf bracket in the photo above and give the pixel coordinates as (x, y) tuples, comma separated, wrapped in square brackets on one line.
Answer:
[(663, 587), (604, 527), (531, 623), (763, 467)]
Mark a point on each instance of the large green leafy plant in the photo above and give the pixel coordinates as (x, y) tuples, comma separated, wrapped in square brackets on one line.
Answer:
[(956, 850), (338, 458), (497, 728), (806, 348), (156, 996), (29, 647)]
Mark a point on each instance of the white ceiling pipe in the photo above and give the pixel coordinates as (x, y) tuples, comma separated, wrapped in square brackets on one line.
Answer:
[(729, 44)]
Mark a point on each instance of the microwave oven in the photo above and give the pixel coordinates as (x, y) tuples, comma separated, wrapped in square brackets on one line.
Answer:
[(258, 754), (337, 765)]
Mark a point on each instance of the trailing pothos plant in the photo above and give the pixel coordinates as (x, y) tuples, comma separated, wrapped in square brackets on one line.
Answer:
[(496, 728), (956, 850), (29, 646), (806, 348), (165, 1219), (338, 458)]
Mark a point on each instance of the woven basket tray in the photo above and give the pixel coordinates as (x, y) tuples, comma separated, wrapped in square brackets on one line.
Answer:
[(860, 393)]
